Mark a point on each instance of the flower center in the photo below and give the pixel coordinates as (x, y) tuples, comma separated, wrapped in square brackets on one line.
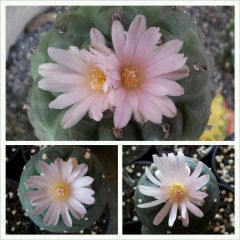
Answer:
[(60, 191), (97, 79), (177, 191), (130, 77)]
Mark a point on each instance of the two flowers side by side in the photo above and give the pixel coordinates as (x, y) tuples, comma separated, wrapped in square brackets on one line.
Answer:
[(136, 79)]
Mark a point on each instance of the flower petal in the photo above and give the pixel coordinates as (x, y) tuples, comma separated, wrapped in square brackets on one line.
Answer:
[(194, 209), (96, 37), (162, 213), (65, 58), (52, 215), (67, 99), (199, 182), (65, 215), (76, 113), (137, 26), (83, 182), (169, 48), (197, 171), (185, 221), (151, 177), (163, 87), (166, 65), (148, 109), (118, 38), (150, 204), (178, 74), (122, 114), (49, 84), (53, 69), (183, 209), (84, 198), (147, 42), (36, 182), (173, 214), (42, 206), (96, 108), (77, 206), (151, 191), (197, 194)]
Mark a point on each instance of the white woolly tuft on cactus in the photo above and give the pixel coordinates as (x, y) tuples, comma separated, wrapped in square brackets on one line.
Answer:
[(176, 187), (62, 187)]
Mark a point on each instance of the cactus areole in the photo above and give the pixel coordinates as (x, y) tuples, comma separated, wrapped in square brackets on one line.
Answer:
[(130, 73), (63, 189), (176, 195)]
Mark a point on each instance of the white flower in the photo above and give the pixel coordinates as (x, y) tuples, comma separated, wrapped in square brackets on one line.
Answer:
[(176, 188), (61, 188), (81, 78)]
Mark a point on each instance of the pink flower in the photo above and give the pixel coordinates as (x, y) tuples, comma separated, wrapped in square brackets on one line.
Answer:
[(82, 79), (147, 73), (176, 188), (61, 188)]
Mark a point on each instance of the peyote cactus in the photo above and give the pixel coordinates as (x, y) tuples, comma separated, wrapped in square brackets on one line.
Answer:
[(172, 184), (60, 180), (229, 47), (155, 117)]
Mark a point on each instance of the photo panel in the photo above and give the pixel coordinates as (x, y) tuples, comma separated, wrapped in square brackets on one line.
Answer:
[(61, 189), (175, 189), (73, 74), (131, 109)]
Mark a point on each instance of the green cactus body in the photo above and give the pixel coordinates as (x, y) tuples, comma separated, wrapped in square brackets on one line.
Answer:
[(196, 225), (73, 27), (99, 185), (229, 47)]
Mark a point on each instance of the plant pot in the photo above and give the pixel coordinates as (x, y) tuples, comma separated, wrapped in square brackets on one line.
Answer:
[(30, 150), (202, 153), (17, 221), (223, 164), (11, 152), (223, 223), (133, 153), (15, 163), (132, 172)]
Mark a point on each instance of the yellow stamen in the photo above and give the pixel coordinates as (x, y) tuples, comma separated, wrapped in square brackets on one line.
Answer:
[(97, 79), (177, 191), (60, 191), (130, 77)]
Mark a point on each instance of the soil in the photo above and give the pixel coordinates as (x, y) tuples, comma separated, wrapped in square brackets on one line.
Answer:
[(17, 221)]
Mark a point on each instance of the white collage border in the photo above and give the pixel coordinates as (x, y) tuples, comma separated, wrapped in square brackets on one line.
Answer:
[(3, 141)]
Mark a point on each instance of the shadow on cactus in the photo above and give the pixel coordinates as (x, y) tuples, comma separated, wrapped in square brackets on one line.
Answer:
[(144, 77), (178, 186), (63, 189)]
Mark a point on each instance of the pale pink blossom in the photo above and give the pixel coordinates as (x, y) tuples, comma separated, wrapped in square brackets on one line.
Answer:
[(147, 73), (81, 78), (176, 187), (61, 188)]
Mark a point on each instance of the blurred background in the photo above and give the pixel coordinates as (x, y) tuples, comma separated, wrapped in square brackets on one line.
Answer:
[(17, 220), (219, 158), (25, 26)]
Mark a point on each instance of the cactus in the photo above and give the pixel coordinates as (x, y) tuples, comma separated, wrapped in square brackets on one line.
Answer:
[(229, 47), (77, 155), (196, 225), (72, 28)]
